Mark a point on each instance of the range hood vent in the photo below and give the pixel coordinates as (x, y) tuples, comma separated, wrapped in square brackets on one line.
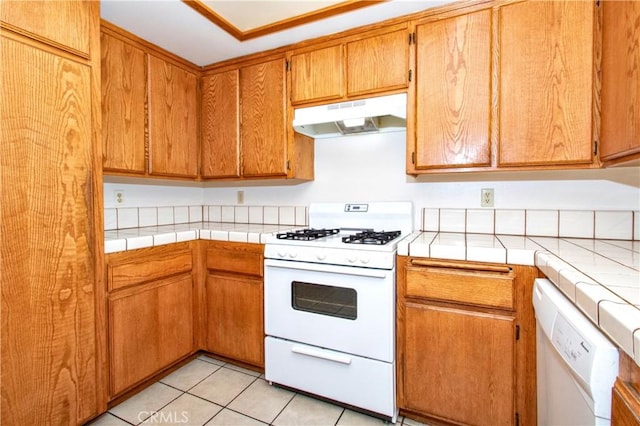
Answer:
[(381, 114)]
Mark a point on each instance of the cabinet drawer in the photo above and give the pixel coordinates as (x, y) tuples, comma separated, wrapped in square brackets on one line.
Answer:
[(245, 260), (476, 287), (149, 268)]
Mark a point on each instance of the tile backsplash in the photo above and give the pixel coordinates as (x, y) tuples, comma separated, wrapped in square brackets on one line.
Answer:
[(134, 217), (599, 224)]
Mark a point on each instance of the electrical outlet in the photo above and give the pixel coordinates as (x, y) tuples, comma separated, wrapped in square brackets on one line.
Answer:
[(118, 197), (486, 197), (240, 197)]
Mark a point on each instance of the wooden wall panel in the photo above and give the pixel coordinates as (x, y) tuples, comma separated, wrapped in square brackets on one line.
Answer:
[(46, 238), (62, 23)]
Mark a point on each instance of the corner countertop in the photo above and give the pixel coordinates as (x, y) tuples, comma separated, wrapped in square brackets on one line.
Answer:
[(601, 277), (149, 236)]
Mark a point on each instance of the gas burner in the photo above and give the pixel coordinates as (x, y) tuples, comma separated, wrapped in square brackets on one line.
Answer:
[(307, 234), (371, 237)]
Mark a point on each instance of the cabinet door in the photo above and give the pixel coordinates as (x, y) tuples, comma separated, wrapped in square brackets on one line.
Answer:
[(149, 328), (317, 75), (377, 63), (546, 83), (173, 126), (620, 125), (625, 405), (235, 326), (263, 119), (459, 365), (453, 92), (124, 86), (220, 125), (61, 23), (47, 257)]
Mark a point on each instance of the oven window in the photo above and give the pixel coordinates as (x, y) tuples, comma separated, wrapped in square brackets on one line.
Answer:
[(324, 300)]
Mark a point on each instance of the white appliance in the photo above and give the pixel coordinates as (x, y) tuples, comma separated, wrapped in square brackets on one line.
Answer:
[(379, 114), (330, 304), (576, 363)]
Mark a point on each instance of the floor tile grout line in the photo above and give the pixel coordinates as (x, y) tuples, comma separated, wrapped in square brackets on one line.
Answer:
[(242, 391), (165, 405), (233, 399), (120, 418), (283, 408), (209, 375), (245, 415)]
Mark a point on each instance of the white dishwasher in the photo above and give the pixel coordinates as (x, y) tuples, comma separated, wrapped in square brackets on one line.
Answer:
[(576, 363)]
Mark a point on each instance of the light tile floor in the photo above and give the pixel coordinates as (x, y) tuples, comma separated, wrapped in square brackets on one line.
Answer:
[(207, 391)]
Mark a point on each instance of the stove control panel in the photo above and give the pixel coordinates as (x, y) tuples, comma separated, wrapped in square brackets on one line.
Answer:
[(356, 207), (361, 258)]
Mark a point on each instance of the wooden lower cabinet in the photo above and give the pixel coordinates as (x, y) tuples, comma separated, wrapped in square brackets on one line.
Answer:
[(150, 314), (464, 362), (465, 342), (150, 329), (625, 405), (625, 401), (234, 326)]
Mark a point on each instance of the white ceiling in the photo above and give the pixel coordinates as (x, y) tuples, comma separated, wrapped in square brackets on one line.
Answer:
[(176, 27)]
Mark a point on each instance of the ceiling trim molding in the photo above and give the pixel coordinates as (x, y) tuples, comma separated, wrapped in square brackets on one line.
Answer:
[(285, 24)]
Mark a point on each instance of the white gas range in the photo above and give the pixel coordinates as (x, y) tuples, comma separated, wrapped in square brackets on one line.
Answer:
[(330, 304)]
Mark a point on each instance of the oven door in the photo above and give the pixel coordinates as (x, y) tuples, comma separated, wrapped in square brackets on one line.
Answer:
[(346, 309)]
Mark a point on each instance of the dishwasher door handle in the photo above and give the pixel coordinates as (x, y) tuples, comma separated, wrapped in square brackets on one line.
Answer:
[(342, 359)]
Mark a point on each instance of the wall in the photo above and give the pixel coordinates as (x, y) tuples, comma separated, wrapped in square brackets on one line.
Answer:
[(371, 167)]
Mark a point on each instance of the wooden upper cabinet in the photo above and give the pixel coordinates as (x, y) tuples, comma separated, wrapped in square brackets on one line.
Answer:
[(546, 83), (221, 125), (357, 65), (378, 62), (64, 24), (620, 120), (317, 75), (173, 124), (124, 87), (263, 119), (453, 92)]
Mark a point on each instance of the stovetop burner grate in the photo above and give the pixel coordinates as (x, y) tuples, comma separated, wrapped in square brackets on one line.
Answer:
[(371, 237), (307, 234)]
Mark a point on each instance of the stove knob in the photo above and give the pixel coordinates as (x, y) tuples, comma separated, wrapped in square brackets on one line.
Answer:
[(321, 256), (351, 258), (365, 259), (293, 255), (282, 253)]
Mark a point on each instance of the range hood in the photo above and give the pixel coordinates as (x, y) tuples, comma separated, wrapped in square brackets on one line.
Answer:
[(380, 114)]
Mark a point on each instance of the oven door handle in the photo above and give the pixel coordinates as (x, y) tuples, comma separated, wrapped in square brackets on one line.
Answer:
[(342, 359), (347, 270)]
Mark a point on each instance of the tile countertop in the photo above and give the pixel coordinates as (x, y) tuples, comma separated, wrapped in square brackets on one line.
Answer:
[(134, 238), (601, 277)]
